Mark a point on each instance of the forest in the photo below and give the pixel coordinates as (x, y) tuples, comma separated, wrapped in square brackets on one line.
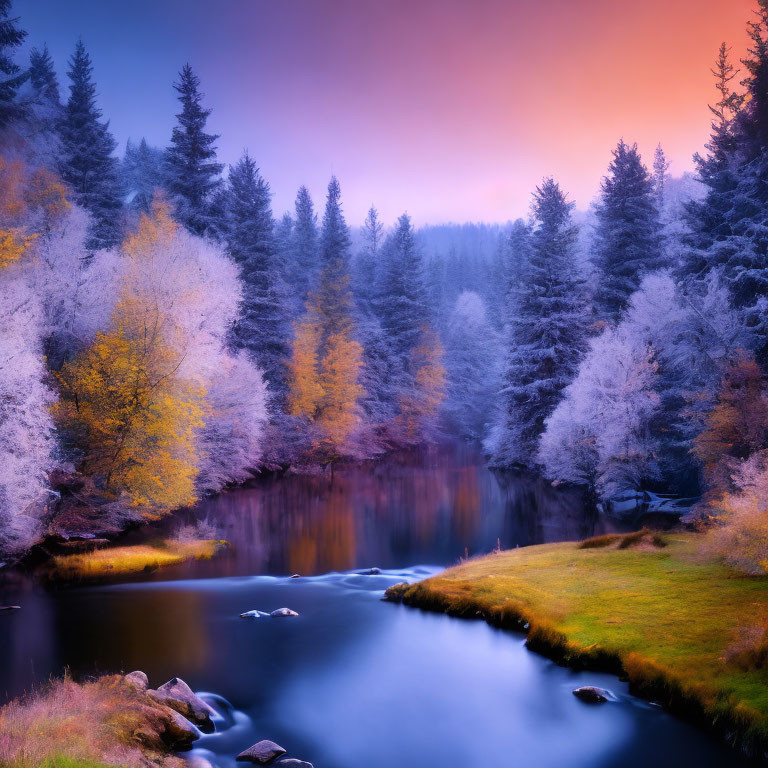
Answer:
[(166, 334)]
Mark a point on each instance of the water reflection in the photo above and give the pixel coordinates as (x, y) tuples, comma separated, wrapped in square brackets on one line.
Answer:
[(432, 508)]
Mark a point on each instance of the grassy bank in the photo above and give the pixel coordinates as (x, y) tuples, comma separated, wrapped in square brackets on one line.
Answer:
[(107, 722), (685, 632), (120, 561)]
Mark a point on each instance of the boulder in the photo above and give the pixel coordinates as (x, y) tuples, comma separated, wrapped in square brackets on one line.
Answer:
[(179, 732), (137, 679), (373, 572), (177, 695), (261, 753), (295, 575), (292, 762), (280, 612), (253, 614), (592, 694)]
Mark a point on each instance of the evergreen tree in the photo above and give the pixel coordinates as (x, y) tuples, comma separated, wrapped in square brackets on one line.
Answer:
[(304, 246), (660, 168), (545, 332), (366, 264), (402, 305), (142, 173), (42, 76), (333, 299), (192, 173), (263, 328), (628, 233), (86, 162), (11, 75)]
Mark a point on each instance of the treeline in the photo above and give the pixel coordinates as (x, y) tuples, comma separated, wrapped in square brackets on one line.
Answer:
[(646, 370), (164, 336)]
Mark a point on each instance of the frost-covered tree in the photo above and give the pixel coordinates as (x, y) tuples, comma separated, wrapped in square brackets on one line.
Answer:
[(660, 168), (263, 327), (471, 362), (628, 234), (642, 392), (402, 303), (11, 74), (191, 171), (231, 441), (366, 266), (86, 162), (142, 174), (599, 434), (27, 440), (545, 332)]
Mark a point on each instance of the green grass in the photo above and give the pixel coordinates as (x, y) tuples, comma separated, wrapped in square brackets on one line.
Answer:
[(120, 561), (652, 610)]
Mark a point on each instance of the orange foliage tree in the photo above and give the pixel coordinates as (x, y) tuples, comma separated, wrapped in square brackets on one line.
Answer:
[(737, 426)]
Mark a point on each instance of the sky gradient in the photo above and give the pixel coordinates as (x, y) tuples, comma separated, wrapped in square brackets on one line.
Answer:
[(446, 109)]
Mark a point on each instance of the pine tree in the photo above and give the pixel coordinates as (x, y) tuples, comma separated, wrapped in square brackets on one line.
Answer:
[(628, 233), (11, 75), (263, 328), (545, 332), (192, 173), (367, 262), (402, 305), (87, 163), (333, 299), (42, 75), (660, 168), (304, 246), (141, 173)]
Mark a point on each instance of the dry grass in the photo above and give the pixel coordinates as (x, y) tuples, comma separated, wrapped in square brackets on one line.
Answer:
[(120, 561), (67, 725), (662, 616)]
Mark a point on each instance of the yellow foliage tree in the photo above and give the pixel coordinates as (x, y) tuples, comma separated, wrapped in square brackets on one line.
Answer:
[(133, 419), (339, 381), (123, 400), (324, 384), (30, 204)]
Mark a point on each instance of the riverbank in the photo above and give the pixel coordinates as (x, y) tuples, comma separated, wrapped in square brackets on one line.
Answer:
[(106, 722), (133, 559), (687, 633)]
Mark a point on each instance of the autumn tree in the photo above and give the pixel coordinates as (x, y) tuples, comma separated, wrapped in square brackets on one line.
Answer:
[(326, 359), (737, 426)]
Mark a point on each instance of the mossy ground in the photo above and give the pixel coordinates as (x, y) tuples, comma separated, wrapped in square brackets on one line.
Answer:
[(120, 561), (654, 611)]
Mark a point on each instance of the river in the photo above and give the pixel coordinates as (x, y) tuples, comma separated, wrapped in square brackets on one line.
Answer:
[(353, 682)]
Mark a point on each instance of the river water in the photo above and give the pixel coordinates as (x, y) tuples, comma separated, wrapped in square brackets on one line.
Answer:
[(353, 682)]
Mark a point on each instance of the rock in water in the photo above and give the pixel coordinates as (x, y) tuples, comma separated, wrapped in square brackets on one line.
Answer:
[(261, 753), (179, 696), (251, 615), (592, 694), (283, 612), (294, 576), (9, 608), (373, 572), (179, 732), (292, 762), (137, 679)]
